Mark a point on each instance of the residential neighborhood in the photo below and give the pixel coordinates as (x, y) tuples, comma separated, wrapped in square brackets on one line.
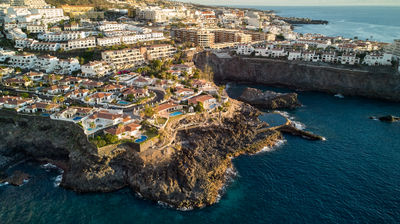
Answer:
[(126, 70)]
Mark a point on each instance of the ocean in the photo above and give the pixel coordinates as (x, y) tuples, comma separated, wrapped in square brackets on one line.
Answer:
[(352, 177), (380, 23)]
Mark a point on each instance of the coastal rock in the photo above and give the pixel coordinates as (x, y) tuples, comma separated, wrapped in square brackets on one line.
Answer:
[(297, 132), (17, 178), (365, 81), (187, 173), (269, 100), (389, 118)]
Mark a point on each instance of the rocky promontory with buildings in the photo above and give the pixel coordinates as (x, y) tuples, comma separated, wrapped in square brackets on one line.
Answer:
[(363, 81), (188, 170)]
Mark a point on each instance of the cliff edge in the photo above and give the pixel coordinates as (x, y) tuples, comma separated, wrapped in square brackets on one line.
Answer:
[(187, 173), (363, 81)]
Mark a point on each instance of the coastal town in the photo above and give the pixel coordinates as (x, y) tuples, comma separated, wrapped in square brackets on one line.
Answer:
[(122, 73)]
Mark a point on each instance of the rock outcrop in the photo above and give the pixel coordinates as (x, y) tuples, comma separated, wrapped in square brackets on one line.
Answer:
[(188, 173), (389, 118), (372, 82), (269, 100)]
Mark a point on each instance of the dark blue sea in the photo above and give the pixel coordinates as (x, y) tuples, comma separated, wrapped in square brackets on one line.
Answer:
[(380, 23), (352, 177)]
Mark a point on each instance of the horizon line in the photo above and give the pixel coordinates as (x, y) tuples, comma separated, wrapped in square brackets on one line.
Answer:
[(341, 5)]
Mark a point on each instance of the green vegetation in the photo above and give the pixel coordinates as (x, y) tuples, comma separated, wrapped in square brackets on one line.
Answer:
[(103, 140), (280, 37)]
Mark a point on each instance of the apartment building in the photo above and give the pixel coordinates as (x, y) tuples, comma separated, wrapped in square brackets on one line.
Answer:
[(109, 41), (81, 43), (44, 46), (62, 36), (25, 61), (159, 51), (201, 37), (36, 28), (125, 58), (374, 59), (95, 69)]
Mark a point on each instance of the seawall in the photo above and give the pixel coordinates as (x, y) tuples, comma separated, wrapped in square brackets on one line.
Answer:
[(379, 83)]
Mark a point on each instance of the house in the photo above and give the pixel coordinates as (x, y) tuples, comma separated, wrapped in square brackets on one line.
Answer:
[(104, 118), (34, 76), (90, 84), (125, 130), (141, 82), (13, 102), (52, 90), (113, 88), (184, 92), (198, 83), (183, 68), (19, 81), (208, 101), (100, 97), (165, 109), (136, 92), (42, 107)]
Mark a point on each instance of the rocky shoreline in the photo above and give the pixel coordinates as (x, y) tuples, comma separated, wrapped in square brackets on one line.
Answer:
[(365, 81), (269, 100), (190, 173)]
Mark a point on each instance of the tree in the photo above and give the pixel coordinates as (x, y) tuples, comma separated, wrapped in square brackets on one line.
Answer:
[(148, 111), (54, 100), (199, 107), (24, 95), (111, 139)]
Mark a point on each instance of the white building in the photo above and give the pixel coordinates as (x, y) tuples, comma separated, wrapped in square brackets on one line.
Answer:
[(294, 55), (378, 59), (109, 41), (244, 49), (62, 36), (25, 61), (349, 59), (36, 28), (81, 43), (95, 69)]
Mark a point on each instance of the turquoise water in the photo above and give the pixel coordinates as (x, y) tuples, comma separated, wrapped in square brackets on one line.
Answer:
[(176, 113), (123, 102), (273, 119), (379, 23), (352, 177), (77, 118), (141, 139)]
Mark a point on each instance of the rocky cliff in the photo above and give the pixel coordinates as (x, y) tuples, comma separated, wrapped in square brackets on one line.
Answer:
[(190, 172), (269, 100), (370, 82)]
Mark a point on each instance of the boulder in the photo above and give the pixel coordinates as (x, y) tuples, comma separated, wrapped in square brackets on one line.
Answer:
[(270, 100), (389, 118)]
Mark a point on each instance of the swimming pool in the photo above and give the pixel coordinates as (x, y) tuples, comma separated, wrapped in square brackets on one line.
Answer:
[(141, 139), (176, 113), (123, 102), (90, 129), (46, 115), (77, 118)]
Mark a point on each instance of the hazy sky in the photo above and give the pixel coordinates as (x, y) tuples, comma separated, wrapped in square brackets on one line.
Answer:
[(297, 2)]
